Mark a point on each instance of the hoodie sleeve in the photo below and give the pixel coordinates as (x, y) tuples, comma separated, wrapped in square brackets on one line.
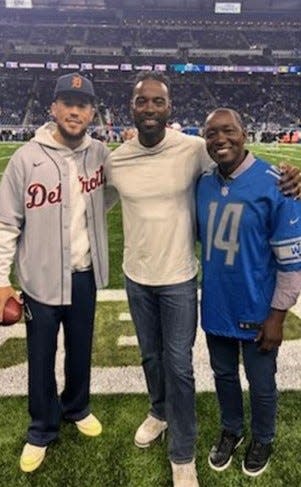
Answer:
[(287, 290)]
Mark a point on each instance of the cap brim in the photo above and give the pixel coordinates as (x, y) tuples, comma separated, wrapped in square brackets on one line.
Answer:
[(65, 95)]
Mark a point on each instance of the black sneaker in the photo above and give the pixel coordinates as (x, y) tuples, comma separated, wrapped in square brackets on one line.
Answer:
[(221, 454), (257, 458)]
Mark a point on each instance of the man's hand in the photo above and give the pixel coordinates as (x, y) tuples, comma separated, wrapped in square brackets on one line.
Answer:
[(5, 293), (271, 334), (290, 182)]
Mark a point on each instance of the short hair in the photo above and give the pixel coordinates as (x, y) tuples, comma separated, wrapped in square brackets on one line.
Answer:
[(235, 114), (152, 75)]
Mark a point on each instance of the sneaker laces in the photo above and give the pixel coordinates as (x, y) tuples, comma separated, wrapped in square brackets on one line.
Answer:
[(226, 439), (152, 424), (257, 448)]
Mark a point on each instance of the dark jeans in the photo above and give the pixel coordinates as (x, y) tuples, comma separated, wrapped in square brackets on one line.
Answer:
[(42, 324), (260, 368), (165, 318)]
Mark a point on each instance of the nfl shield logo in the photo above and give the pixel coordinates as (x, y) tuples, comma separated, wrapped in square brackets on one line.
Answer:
[(225, 190)]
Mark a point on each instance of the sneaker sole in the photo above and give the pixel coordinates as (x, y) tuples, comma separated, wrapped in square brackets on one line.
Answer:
[(143, 445), (254, 474), (147, 445), (226, 465), (88, 432)]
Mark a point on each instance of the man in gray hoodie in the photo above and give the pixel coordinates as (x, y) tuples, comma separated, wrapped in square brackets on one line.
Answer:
[(53, 225)]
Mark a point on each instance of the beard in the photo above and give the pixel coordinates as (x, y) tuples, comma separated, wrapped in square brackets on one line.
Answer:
[(150, 131), (150, 135), (69, 136)]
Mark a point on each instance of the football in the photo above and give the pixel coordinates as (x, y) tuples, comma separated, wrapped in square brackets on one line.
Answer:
[(12, 312)]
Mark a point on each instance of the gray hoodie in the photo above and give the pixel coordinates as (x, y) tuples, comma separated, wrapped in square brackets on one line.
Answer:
[(52, 202)]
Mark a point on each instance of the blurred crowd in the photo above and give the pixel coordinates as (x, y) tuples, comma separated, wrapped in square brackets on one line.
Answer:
[(268, 103), (265, 101)]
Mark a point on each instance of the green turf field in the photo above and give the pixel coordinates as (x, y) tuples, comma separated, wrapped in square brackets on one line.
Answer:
[(112, 460)]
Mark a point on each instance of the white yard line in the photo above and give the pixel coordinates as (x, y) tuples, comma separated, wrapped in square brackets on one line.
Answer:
[(111, 295)]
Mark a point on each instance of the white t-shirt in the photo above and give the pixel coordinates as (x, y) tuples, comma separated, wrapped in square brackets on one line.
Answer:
[(156, 187)]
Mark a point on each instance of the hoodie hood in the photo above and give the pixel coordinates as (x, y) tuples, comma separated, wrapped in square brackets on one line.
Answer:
[(44, 136)]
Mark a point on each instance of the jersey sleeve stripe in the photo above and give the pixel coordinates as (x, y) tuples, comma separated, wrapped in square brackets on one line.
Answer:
[(288, 252)]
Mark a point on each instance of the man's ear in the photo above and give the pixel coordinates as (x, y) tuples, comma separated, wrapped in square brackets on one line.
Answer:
[(169, 107), (53, 109), (93, 111)]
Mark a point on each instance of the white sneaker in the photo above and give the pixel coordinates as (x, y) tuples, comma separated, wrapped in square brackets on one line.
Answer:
[(184, 474), (148, 431)]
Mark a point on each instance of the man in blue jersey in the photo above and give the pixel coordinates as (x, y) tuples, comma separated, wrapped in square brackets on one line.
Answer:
[(251, 260)]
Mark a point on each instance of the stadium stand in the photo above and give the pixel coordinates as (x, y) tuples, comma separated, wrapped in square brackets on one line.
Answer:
[(56, 36)]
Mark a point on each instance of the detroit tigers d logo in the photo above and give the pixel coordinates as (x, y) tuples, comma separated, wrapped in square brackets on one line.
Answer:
[(76, 82)]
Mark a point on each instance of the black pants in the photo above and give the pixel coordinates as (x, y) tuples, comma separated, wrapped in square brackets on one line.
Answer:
[(42, 324)]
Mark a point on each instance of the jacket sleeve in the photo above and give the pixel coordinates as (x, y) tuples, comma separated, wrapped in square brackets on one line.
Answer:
[(12, 192), (8, 244), (11, 214)]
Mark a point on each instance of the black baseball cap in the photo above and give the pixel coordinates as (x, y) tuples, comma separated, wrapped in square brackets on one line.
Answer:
[(74, 84)]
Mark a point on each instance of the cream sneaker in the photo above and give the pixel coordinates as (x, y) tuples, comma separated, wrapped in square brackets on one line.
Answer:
[(32, 456), (149, 431), (184, 474), (89, 426)]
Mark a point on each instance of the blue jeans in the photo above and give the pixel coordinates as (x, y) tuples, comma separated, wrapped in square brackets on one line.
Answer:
[(42, 325), (260, 368), (165, 318)]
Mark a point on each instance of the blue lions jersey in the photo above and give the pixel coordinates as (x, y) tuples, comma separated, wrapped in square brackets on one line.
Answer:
[(248, 230)]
